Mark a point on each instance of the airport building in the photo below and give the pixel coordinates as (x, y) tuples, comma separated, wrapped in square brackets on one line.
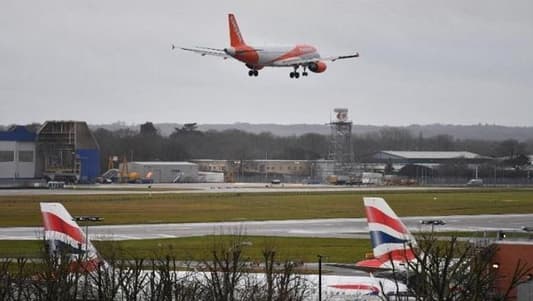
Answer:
[(163, 172), (429, 158), (266, 170), (59, 150), (67, 151), (17, 154), (230, 169)]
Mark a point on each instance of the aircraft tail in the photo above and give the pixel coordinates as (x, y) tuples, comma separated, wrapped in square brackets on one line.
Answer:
[(391, 240), (234, 32), (63, 236)]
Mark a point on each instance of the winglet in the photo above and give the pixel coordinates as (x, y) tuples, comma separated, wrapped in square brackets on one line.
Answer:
[(234, 32)]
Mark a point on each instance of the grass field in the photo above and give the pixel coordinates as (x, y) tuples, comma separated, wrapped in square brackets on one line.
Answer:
[(198, 248), (163, 208), (340, 250)]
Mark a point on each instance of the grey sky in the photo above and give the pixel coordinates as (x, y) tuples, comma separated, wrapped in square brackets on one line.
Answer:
[(421, 61)]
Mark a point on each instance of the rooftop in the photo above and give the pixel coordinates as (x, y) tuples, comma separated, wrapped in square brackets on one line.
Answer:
[(18, 133), (162, 163), (433, 154)]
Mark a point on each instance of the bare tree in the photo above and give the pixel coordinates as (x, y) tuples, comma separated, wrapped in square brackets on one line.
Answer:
[(227, 276), (455, 270)]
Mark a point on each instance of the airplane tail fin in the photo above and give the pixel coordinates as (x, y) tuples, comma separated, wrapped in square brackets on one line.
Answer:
[(234, 32), (63, 236), (391, 240)]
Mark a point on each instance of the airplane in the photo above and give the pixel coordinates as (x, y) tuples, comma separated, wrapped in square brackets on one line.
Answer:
[(62, 234), (392, 243), (256, 58)]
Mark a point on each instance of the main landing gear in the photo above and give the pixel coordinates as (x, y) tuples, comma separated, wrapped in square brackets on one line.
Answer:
[(253, 72), (296, 74)]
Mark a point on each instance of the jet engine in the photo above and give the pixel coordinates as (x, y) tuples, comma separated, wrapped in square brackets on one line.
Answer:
[(318, 67)]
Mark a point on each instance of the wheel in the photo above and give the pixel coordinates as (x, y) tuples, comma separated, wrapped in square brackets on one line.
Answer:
[(296, 74), (256, 73), (291, 75), (251, 73), (304, 73)]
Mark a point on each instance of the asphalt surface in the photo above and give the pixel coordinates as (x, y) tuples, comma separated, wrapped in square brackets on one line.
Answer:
[(339, 228), (208, 188)]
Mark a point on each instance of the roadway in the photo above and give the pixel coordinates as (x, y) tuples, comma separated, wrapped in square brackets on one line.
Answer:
[(338, 227)]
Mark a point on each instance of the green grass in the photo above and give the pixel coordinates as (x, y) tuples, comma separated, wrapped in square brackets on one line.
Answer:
[(164, 208), (198, 248), (341, 250), (20, 248)]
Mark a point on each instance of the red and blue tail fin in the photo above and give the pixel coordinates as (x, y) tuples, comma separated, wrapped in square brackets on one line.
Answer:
[(235, 36), (391, 240), (63, 236)]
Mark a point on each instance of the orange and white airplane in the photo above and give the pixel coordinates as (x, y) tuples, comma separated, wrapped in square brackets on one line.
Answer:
[(256, 58)]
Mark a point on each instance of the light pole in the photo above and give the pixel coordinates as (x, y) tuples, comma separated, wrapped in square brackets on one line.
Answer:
[(319, 277), (87, 219)]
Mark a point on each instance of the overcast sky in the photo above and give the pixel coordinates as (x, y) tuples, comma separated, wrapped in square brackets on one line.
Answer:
[(459, 62)]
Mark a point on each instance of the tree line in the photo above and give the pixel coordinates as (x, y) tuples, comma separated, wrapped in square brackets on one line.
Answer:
[(187, 143)]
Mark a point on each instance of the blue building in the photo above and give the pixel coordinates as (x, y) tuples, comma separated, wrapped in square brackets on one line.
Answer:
[(17, 154)]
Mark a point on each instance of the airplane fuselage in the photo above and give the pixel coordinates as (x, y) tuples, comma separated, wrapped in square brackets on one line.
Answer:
[(271, 56)]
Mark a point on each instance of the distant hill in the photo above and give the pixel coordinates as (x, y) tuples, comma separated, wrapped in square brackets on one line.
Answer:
[(480, 131)]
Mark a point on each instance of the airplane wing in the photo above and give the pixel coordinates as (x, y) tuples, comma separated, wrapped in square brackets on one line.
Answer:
[(340, 57), (203, 51), (296, 61)]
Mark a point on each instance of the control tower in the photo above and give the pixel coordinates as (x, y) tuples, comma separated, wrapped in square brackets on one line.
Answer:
[(340, 145)]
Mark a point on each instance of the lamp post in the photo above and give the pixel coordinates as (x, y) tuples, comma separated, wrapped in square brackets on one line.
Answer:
[(319, 277), (87, 219)]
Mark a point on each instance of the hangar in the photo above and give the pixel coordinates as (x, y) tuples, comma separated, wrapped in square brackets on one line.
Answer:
[(67, 150), (430, 157)]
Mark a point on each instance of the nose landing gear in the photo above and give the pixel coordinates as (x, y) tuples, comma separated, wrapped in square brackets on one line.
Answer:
[(253, 72)]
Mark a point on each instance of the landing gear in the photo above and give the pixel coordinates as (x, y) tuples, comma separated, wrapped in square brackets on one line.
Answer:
[(305, 71), (253, 72), (296, 74)]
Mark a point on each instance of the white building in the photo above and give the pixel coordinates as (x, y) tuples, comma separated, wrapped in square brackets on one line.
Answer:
[(165, 172), (17, 154)]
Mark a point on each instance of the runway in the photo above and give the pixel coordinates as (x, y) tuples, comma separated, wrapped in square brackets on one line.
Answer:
[(114, 189), (339, 228)]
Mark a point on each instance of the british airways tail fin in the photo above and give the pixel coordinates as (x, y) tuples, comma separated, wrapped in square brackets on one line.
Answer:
[(391, 240), (234, 32), (63, 236)]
